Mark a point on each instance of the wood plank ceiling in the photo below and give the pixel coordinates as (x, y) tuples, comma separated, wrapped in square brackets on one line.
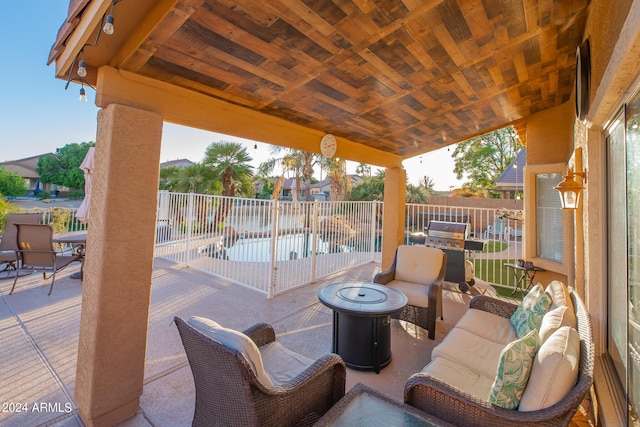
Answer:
[(405, 77)]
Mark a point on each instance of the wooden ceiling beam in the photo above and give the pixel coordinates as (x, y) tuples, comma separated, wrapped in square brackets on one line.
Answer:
[(158, 26), (185, 107)]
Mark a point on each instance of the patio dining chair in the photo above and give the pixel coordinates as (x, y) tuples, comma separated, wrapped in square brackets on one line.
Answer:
[(249, 379), (8, 243), (37, 253)]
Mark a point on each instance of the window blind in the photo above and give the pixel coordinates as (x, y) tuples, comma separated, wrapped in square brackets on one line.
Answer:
[(548, 217)]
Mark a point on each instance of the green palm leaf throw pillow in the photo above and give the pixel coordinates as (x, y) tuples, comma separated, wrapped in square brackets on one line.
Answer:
[(514, 368), (528, 316)]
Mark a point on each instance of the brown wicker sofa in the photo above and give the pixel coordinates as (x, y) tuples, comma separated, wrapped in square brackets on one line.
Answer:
[(418, 272), (464, 408)]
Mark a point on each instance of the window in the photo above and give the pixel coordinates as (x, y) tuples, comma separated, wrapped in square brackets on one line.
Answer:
[(546, 222), (549, 217)]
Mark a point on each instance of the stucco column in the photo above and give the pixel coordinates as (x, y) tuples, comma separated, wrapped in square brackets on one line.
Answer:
[(395, 189), (118, 267)]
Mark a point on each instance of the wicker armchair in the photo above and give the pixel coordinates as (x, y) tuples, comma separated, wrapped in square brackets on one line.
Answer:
[(459, 408), (418, 271), (229, 392)]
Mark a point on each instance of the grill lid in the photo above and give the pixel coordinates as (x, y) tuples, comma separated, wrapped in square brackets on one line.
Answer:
[(448, 230)]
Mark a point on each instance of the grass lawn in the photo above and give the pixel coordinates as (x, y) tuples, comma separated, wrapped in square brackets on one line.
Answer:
[(494, 271), (494, 246)]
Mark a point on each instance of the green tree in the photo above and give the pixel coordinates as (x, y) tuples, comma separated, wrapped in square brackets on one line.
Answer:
[(230, 160), (6, 208), (11, 184), (363, 170), (483, 158), (196, 178), (168, 178), (63, 167), (427, 183), (370, 188), (416, 194)]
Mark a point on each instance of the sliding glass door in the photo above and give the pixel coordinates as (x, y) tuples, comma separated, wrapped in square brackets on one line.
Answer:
[(623, 252)]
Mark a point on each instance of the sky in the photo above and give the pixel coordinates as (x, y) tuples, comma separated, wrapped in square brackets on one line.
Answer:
[(37, 114)]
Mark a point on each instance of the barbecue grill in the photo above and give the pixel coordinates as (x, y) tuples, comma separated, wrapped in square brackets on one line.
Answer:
[(453, 239)]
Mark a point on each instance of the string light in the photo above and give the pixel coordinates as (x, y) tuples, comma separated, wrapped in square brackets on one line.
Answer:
[(82, 68), (81, 71), (108, 25), (83, 94)]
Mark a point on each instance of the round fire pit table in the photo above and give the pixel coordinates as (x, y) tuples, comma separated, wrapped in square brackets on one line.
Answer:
[(362, 322)]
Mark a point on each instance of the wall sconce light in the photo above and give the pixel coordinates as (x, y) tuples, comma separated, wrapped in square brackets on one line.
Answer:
[(570, 188)]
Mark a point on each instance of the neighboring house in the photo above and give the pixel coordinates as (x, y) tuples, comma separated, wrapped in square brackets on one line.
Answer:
[(26, 169), (511, 180), (288, 189), (323, 188), (178, 163)]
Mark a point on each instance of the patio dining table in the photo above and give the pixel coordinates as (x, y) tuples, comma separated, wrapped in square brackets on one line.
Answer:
[(78, 242)]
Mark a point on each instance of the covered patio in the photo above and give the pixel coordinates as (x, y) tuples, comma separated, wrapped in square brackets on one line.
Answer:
[(42, 334), (390, 80)]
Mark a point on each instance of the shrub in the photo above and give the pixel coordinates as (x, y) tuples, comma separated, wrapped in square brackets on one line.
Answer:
[(6, 208), (43, 195), (76, 195)]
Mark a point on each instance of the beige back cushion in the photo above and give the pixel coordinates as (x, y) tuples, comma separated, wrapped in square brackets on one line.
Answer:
[(554, 371), (555, 319), (236, 341), (418, 264), (559, 294)]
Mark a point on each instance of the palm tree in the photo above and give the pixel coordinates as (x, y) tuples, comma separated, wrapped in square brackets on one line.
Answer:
[(370, 188), (340, 181), (196, 178), (300, 163), (427, 183), (363, 169), (230, 161)]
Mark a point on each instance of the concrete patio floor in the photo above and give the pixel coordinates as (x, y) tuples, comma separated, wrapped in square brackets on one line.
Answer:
[(39, 338)]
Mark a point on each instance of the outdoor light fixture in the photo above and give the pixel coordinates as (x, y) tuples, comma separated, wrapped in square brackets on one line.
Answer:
[(83, 94), (570, 188), (82, 68), (108, 25), (81, 71)]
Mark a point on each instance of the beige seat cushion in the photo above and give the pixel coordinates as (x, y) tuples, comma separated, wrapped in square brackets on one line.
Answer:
[(281, 363), (555, 319), (418, 264), (460, 376), (417, 294), (236, 341), (489, 326), (554, 371), (467, 349)]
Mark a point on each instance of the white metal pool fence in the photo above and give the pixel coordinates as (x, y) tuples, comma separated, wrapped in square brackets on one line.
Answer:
[(274, 246), (269, 245)]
